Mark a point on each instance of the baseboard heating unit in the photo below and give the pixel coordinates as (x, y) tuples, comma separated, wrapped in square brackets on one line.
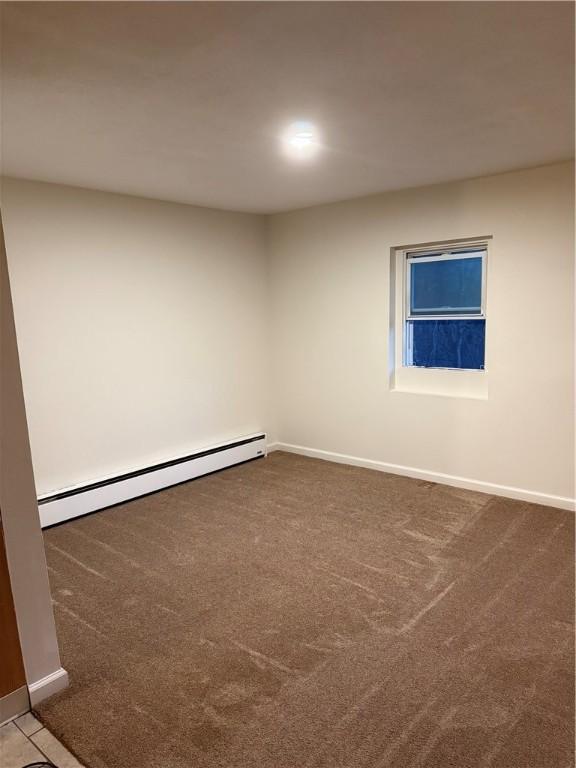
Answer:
[(81, 499)]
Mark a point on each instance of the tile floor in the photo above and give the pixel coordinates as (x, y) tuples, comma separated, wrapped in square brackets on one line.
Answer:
[(25, 740)]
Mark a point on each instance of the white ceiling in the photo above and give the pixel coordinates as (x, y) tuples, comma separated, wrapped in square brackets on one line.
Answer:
[(185, 101)]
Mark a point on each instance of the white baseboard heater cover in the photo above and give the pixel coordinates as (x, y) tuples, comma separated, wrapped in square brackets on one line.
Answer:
[(82, 499)]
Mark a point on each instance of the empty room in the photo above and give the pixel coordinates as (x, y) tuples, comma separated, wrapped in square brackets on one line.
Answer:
[(287, 385)]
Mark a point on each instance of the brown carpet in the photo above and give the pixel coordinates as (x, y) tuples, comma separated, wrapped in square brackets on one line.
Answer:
[(292, 613)]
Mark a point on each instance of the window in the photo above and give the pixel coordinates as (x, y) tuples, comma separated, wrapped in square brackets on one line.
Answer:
[(444, 318)]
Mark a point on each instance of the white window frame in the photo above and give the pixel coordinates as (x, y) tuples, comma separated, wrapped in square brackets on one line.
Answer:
[(453, 255), (411, 379), (445, 253)]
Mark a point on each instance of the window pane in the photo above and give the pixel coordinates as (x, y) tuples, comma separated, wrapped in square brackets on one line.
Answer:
[(446, 343), (446, 287)]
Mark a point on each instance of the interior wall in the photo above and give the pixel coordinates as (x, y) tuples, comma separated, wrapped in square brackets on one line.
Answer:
[(20, 521), (142, 327), (145, 329), (330, 272)]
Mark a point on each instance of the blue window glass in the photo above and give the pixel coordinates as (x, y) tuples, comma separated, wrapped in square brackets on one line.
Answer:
[(446, 343), (445, 286)]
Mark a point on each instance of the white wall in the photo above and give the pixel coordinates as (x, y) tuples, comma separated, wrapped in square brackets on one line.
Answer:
[(330, 293), (141, 327), (145, 329), (20, 520)]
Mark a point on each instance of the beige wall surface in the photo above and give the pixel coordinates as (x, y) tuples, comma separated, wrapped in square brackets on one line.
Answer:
[(330, 275), (19, 511), (145, 329), (141, 327)]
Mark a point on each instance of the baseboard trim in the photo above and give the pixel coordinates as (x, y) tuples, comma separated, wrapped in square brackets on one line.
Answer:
[(14, 704), (78, 500), (510, 492), (47, 686)]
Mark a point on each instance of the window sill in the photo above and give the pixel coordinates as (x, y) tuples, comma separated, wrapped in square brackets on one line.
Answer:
[(471, 385)]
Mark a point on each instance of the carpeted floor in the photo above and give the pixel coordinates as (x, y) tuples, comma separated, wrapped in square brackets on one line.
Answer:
[(292, 613)]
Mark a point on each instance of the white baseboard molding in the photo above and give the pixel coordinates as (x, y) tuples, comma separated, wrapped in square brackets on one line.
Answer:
[(14, 704), (82, 499), (47, 686), (510, 492)]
